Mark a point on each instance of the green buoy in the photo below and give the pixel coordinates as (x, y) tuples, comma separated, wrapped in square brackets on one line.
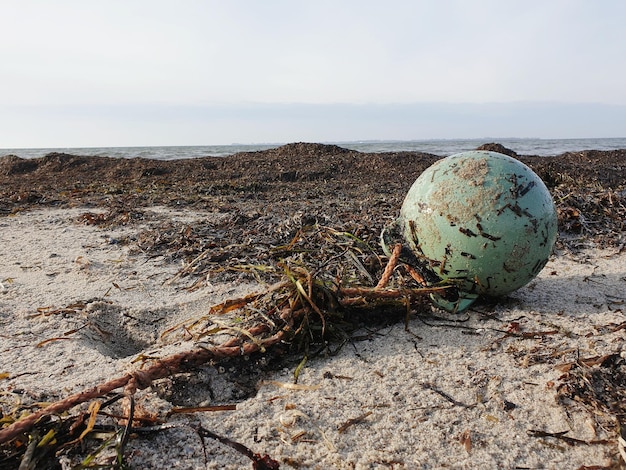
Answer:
[(480, 221)]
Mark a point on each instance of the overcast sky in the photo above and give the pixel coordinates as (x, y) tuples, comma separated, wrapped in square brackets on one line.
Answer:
[(201, 72)]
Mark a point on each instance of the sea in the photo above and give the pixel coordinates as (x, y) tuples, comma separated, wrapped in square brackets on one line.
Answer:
[(441, 147)]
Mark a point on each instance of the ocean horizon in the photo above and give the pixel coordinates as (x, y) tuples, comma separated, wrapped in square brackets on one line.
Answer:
[(441, 147)]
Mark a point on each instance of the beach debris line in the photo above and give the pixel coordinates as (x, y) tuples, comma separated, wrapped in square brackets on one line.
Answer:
[(324, 296), (479, 220), (588, 186)]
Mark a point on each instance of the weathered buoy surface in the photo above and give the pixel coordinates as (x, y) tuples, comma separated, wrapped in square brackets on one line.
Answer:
[(481, 221)]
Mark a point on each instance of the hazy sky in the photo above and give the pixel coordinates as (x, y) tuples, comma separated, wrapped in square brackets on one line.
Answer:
[(193, 72)]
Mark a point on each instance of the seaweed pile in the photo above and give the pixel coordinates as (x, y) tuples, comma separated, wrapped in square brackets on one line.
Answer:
[(331, 284), (322, 181)]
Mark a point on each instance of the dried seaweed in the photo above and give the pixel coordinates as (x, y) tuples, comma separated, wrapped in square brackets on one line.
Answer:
[(352, 421), (324, 293), (592, 214), (599, 386), (259, 462), (568, 440), (588, 186)]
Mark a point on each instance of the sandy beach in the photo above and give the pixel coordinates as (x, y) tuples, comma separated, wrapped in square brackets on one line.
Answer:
[(98, 278)]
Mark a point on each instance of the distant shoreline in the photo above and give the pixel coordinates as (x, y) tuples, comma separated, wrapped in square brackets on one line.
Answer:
[(441, 147)]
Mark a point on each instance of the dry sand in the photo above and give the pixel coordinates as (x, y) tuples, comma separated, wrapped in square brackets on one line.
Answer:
[(453, 392)]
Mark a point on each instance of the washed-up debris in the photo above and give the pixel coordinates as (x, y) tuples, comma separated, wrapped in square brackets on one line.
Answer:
[(322, 298)]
